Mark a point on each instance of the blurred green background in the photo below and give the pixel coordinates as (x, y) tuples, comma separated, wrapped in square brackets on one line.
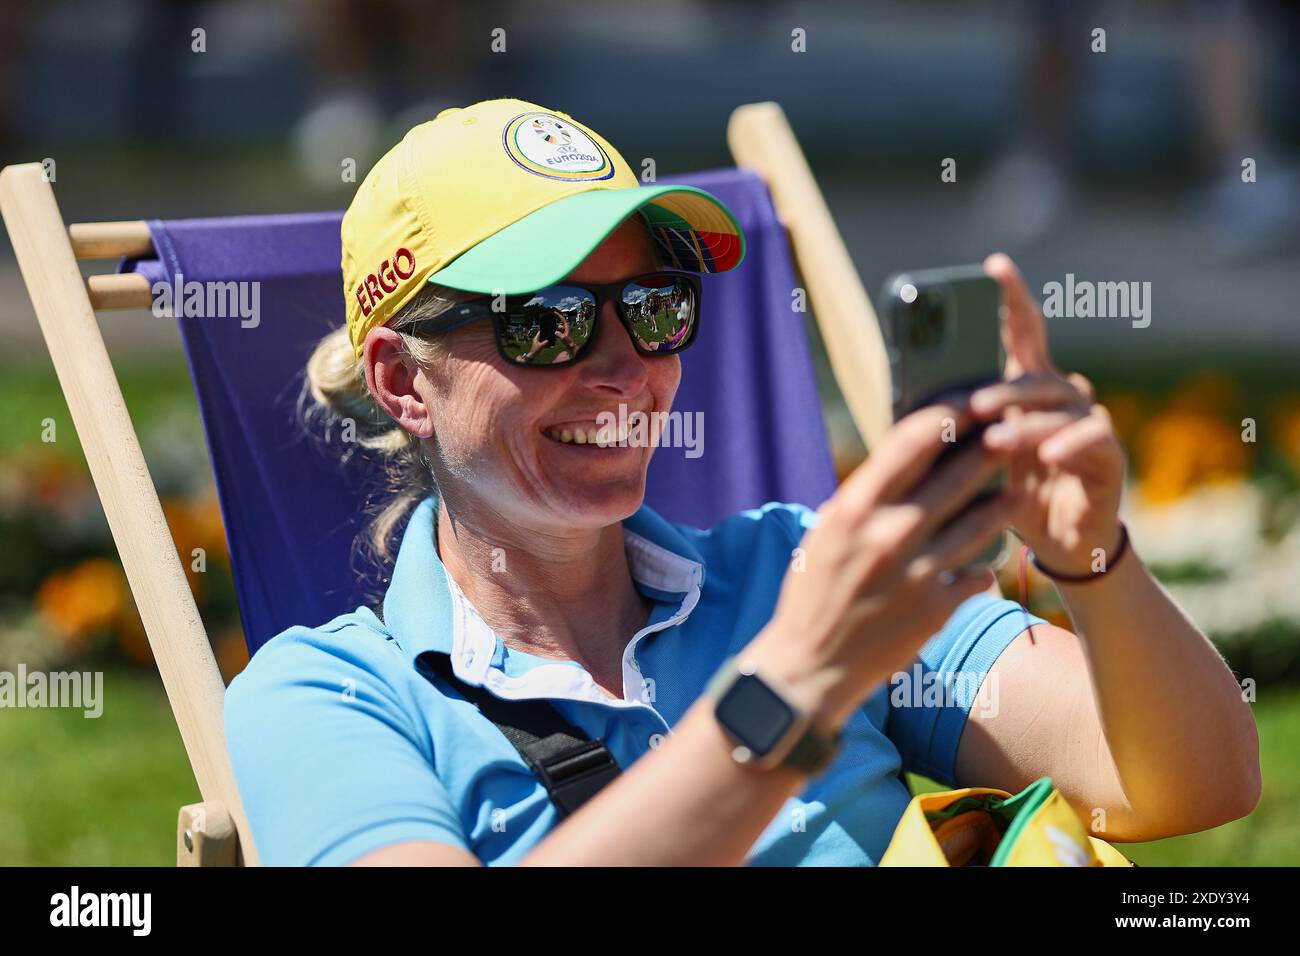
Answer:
[(1114, 166)]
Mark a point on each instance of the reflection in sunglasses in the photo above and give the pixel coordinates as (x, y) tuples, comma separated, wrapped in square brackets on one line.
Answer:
[(555, 325)]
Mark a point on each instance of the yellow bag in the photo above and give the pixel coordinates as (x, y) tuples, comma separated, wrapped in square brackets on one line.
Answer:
[(985, 827)]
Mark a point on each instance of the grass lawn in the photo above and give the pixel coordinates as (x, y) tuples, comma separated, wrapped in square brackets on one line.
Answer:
[(152, 389), (1271, 835), (105, 791), (95, 792)]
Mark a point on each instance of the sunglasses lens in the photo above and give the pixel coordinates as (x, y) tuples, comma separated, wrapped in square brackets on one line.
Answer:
[(661, 310), (549, 327)]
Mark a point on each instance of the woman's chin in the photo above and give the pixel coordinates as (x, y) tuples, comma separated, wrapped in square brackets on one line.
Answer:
[(594, 486), (601, 507), (597, 504)]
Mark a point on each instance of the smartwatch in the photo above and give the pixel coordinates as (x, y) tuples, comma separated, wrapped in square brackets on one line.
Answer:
[(766, 729)]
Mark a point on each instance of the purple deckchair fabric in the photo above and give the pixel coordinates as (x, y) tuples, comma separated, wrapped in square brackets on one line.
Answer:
[(292, 511)]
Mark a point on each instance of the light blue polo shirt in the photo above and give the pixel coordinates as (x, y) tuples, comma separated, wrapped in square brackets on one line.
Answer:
[(340, 746)]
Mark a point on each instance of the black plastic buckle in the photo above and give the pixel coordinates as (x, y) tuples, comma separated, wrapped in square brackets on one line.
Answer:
[(574, 777)]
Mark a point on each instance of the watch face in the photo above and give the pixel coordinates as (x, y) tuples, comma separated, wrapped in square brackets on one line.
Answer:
[(755, 715)]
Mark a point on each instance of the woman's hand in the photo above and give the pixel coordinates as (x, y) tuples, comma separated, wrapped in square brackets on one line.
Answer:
[(1066, 464), (874, 579)]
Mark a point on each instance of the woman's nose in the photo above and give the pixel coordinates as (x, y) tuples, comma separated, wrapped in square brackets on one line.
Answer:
[(614, 363)]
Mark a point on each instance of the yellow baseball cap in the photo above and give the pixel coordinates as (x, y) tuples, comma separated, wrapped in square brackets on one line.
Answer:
[(507, 197)]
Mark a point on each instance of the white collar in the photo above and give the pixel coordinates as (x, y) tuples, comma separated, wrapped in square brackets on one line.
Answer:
[(474, 644)]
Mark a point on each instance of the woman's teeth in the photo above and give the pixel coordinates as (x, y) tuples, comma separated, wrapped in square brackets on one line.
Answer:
[(603, 436)]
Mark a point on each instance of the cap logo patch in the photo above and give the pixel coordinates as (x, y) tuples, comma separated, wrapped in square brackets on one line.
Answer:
[(546, 145)]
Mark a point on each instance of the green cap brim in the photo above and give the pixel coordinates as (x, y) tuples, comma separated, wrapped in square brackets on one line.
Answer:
[(694, 230)]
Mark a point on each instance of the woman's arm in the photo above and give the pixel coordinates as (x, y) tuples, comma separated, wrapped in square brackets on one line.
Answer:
[(1137, 717), (1182, 734)]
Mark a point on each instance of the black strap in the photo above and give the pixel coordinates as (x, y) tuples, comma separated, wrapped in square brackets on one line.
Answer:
[(571, 765)]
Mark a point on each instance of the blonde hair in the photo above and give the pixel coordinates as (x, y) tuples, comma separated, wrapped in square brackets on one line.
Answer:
[(335, 398)]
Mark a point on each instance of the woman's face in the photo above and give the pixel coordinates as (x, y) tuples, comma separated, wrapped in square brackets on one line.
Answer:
[(494, 424)]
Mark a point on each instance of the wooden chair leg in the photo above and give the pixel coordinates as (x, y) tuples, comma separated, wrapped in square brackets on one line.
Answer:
[(206, 836), (45, 254)]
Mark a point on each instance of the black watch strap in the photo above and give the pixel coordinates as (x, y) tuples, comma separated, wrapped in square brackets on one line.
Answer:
[(813, 752), (810, 752)]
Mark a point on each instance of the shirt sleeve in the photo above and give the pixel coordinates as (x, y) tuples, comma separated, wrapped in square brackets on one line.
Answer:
[(930, 703), (328, 760)]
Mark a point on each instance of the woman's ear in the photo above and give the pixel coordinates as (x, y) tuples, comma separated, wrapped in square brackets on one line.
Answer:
[(397, 383)]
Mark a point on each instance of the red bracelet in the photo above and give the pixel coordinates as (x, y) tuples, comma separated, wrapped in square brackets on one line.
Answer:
[(1120, 551)]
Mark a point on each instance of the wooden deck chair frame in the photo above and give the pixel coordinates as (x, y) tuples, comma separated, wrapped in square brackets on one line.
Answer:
[(215, 832)]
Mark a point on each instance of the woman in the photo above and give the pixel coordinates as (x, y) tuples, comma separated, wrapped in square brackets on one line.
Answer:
[(745, 697)]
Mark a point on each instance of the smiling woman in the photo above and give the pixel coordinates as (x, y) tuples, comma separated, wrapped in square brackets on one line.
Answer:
[(558, 675)]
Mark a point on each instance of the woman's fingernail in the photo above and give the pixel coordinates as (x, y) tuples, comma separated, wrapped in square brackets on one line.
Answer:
[(982, 401), (998, 434)]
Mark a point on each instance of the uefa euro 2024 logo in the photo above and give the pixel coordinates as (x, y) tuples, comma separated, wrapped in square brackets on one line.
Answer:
[(552, 131)]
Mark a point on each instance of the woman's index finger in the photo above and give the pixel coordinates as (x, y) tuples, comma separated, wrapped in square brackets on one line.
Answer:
[(1025, 333)]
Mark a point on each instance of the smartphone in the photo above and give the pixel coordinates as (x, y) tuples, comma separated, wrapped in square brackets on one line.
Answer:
[(943, 335)]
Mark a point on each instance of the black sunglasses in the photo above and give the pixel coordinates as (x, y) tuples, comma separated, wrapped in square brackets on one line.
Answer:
[(556, 325)]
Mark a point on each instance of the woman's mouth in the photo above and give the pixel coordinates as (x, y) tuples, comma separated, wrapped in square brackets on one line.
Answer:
[(602, 436)]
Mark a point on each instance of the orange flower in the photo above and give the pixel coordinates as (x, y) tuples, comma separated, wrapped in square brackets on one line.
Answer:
[(1288, 433), (187, 536), (1207, 391), (38, 477), (82, 602), (1126, 412), (54, 479), (1181, 449), (205, 516), (231, 651), (130, 636)]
